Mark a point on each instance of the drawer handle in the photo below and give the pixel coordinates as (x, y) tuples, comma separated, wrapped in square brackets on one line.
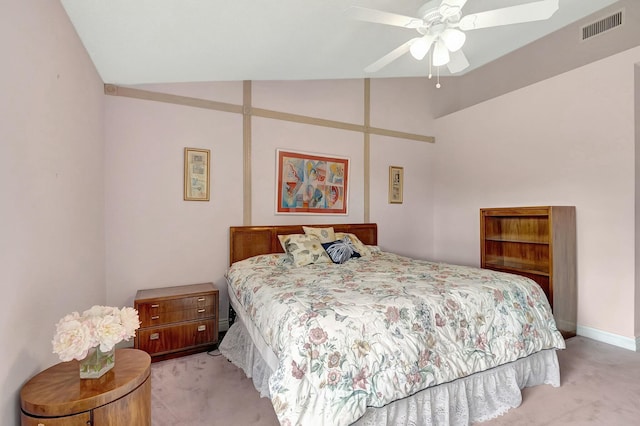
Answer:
[(201, 310), (201, 299), (155, 317), (154, 336), (202, 327), (155, 305)]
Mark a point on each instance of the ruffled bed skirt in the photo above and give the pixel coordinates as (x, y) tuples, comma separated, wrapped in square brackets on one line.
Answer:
[(476, 398)]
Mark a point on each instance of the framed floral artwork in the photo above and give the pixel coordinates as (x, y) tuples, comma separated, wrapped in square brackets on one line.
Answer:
[(196, 174), (311, 183), (396, 177)]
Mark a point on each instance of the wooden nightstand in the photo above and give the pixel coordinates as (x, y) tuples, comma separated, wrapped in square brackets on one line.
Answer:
[(177, 321), (122, 397)]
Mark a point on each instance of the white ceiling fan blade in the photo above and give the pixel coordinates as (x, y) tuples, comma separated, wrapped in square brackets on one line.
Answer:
[(457, 62), (391, 56), (529, 12), (451, 7), (380, 17)]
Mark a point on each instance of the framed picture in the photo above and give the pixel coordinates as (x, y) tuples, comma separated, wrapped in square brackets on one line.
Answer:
[(311, 184), (396, 176), (196, 174)]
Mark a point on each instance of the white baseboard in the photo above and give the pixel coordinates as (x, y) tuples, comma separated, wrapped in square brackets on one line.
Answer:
[(609, 338)]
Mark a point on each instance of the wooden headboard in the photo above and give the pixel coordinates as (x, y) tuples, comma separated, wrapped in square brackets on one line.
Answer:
[(248, 241)]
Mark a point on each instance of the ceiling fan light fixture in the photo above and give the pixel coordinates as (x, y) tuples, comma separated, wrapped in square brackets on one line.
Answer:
[(419, 48), (453, 39), (440, 54)]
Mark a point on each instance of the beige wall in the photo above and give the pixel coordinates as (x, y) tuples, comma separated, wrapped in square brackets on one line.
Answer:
[(528, 147), (568, 140), (51, 187), (155, 239)]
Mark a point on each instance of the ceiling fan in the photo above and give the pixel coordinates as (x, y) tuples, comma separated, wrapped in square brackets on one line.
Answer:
[(441, 24)]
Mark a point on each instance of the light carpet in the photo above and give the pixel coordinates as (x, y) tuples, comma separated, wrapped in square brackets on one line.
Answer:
[(600, 386), (202, 389)]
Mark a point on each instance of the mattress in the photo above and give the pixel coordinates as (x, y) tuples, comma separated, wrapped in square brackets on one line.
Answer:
[(339, 340)]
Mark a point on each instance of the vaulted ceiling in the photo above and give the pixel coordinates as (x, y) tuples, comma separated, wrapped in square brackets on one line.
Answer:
[(163, 41)]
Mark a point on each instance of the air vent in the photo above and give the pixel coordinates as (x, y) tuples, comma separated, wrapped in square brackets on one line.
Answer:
[(604, 24)]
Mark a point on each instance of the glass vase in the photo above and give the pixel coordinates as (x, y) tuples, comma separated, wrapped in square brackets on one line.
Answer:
[(96, 363)]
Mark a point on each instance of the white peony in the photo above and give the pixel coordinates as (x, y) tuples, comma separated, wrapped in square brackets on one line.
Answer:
[(72, 338), (109, 331), (103, 326), (130, 320)]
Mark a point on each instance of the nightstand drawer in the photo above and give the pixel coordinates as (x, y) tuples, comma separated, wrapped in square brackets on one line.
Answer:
[(153, 317), (174, 310), (161, 340)]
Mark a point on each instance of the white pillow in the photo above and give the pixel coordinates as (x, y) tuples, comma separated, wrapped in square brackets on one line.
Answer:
[(326, 235)]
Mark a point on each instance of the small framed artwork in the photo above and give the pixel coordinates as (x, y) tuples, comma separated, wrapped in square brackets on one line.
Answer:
[(196, 174), (396, 176), (311, 184)]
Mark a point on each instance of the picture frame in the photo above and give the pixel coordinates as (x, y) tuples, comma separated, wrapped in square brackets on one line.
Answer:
[(196, 174), (309, 183), (396, 182)]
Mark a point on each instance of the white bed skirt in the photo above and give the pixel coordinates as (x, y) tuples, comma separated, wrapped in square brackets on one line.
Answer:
[(476, 398)]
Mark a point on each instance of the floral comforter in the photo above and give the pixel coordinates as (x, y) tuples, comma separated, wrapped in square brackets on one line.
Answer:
[(376, 329)]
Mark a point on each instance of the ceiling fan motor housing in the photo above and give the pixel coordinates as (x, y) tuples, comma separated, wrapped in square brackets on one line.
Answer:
[(434, 22)]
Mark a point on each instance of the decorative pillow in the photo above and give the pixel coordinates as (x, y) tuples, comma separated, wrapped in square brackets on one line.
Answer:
[(340, 250), (359, 245), (326, 235), (282, 238), (304, 249)]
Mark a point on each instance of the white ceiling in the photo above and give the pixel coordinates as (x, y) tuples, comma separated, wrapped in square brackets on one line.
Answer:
[(167, 41)]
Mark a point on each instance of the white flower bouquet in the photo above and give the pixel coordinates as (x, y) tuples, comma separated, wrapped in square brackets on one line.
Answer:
[(102, 326)]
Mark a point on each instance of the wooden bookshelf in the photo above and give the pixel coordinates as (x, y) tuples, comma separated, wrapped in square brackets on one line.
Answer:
[(538, 243)]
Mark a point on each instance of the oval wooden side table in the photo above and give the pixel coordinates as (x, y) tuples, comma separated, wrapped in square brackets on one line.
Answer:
[(122, 397)]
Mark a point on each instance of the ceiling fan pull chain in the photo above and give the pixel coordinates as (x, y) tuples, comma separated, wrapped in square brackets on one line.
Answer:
[(438, 76)]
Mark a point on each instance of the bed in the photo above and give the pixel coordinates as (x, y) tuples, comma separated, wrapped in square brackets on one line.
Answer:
[(382, 339)]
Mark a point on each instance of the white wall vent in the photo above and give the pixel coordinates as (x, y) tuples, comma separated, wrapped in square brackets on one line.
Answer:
[(602, 25)]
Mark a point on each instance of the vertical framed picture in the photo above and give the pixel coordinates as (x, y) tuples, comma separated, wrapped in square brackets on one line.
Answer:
[(311, 184), (196, 174), (396, 177)]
